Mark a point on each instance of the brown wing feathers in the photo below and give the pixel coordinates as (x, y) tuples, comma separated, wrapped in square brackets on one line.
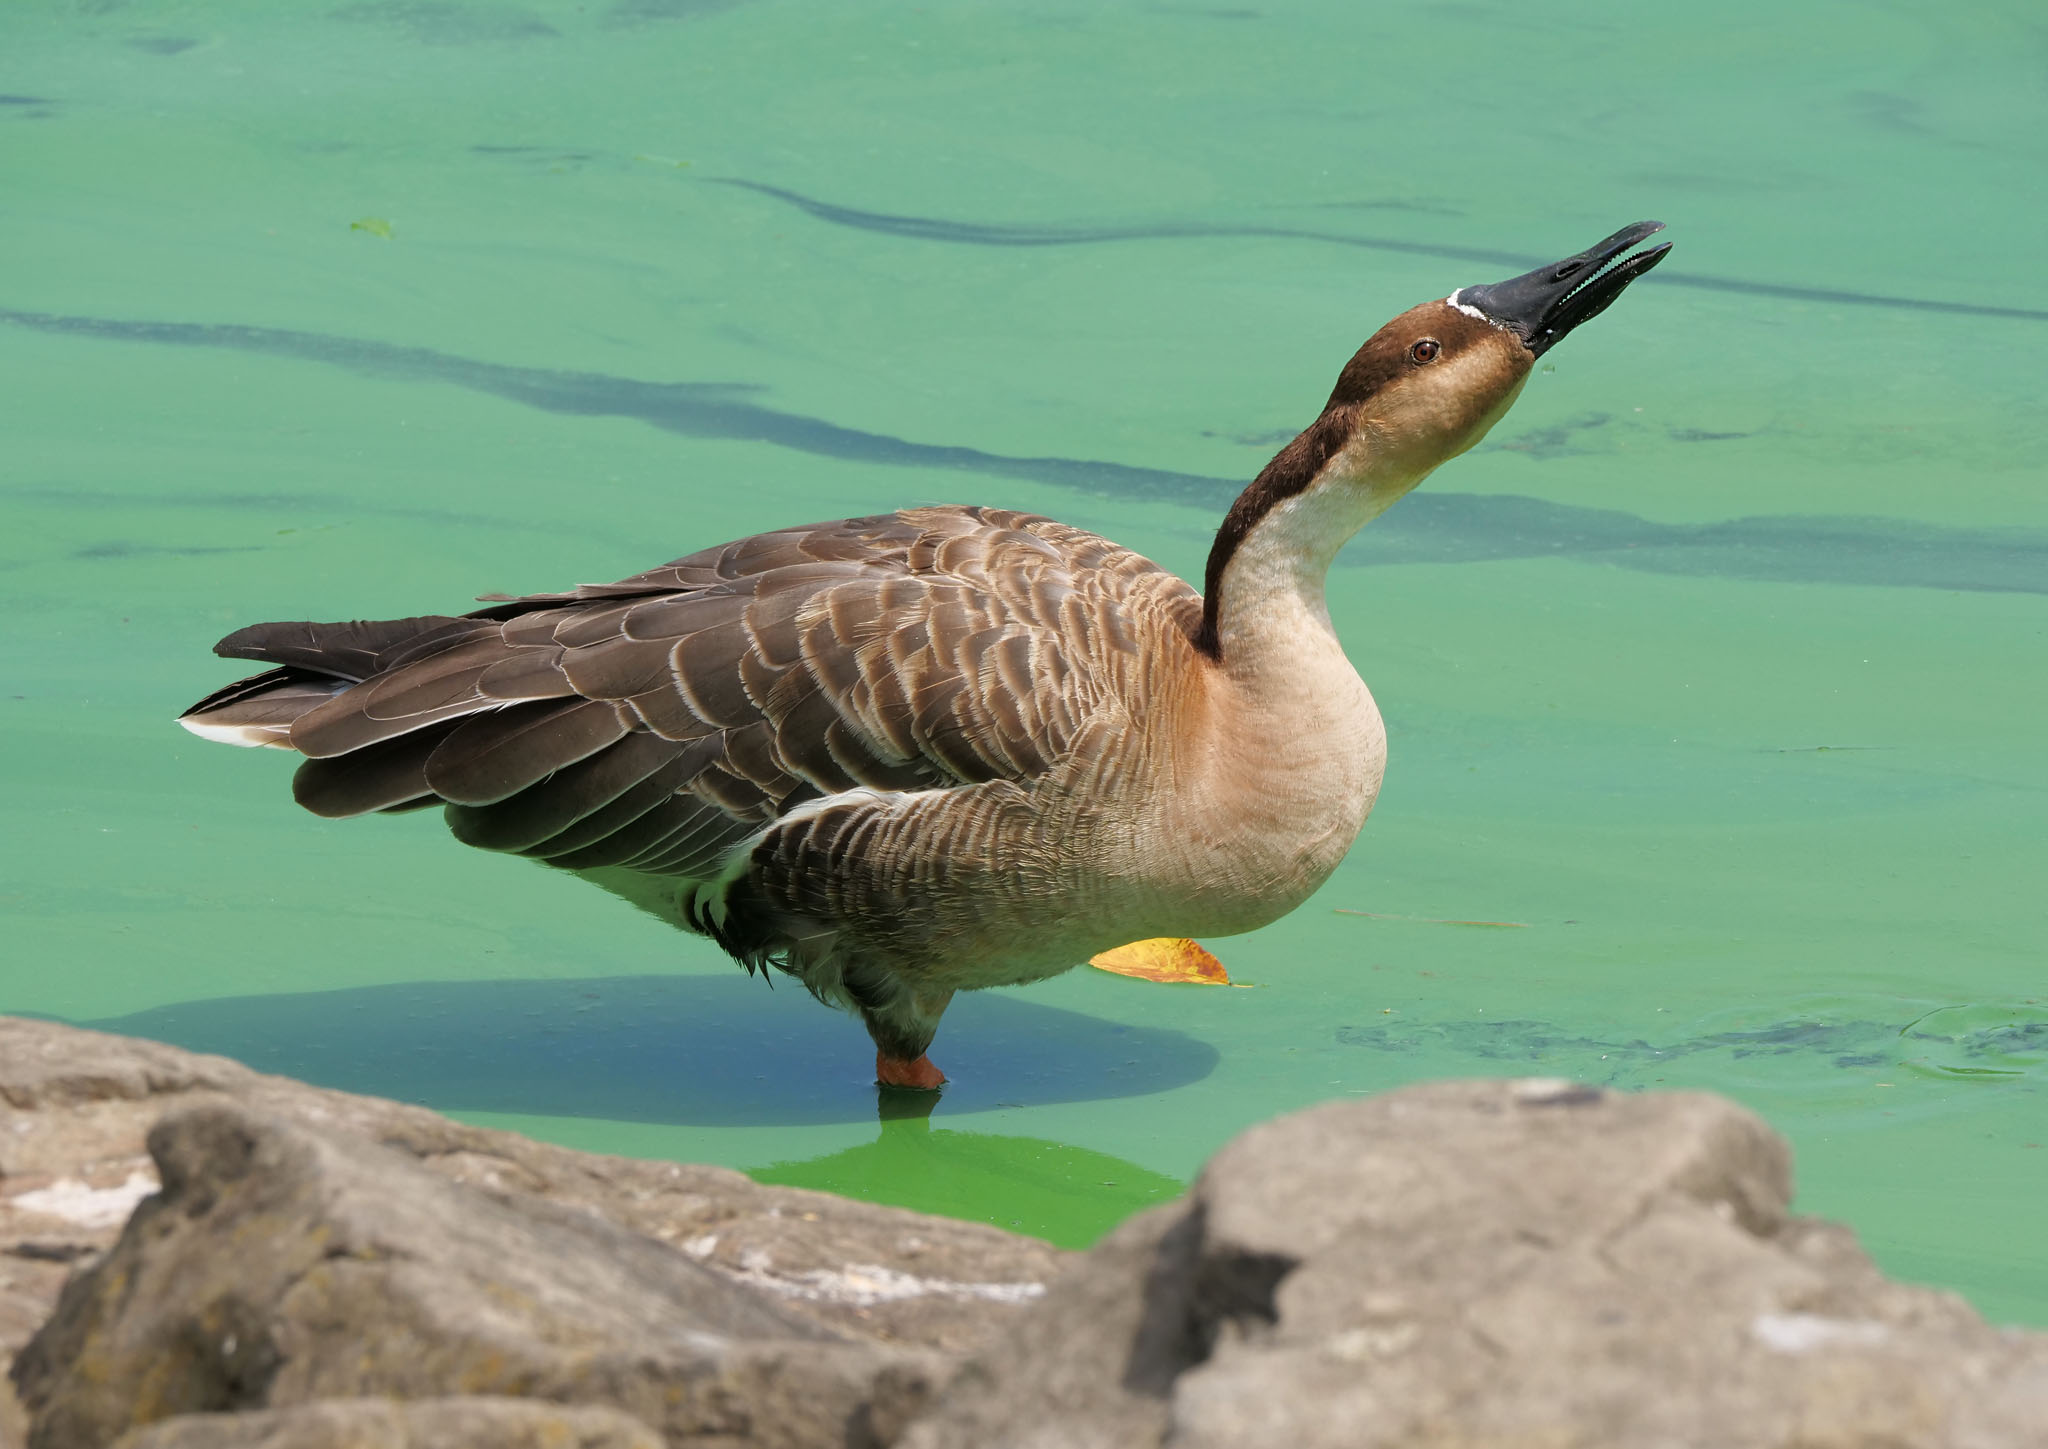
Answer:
[(656, 722)]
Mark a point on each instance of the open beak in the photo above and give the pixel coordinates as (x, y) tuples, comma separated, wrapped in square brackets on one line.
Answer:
[(1541, 306)]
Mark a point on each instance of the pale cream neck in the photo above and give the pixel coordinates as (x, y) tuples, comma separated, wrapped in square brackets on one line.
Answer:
[(1273, 619)]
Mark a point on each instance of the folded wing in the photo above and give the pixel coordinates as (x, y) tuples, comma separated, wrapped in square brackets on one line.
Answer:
[(657, 722)]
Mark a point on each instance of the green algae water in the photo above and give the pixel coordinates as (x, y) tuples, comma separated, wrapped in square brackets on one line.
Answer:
[(1714, 679)]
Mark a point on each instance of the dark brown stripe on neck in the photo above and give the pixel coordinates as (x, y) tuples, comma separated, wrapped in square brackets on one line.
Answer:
[(1293, 468)]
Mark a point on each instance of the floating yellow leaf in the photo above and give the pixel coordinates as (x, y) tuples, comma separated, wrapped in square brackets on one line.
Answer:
[(375, 225), (1164, 958)]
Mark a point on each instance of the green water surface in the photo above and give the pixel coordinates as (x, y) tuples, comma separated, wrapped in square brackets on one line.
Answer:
[(1717, 671)]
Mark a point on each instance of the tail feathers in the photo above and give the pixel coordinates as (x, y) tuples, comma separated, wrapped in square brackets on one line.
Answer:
[(317, 662), (260, 710)]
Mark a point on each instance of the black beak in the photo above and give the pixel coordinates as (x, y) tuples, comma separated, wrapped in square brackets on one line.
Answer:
[(1541, 306)]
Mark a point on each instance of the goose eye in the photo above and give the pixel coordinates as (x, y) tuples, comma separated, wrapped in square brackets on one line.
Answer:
[(1425, 350)]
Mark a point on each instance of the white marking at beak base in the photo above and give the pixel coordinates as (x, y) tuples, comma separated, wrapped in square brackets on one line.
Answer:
[(1467, 308)]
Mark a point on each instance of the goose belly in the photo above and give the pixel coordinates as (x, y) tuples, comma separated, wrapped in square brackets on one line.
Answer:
[(995, 886)]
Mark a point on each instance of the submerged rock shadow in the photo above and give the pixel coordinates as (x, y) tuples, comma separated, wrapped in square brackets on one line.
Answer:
[(969, 233), (1972, 1040), (1438, 528), (701, 1051)]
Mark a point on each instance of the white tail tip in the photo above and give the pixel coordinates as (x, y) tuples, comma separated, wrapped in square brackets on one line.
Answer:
[(277, 737)]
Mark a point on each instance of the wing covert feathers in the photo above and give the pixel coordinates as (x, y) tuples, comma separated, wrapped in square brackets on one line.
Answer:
[(657, 722)]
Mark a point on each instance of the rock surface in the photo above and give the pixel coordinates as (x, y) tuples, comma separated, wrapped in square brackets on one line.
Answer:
[(283, 1264), (1454, 1266), (75, 1107), (1472, 1264), (465, 1423)]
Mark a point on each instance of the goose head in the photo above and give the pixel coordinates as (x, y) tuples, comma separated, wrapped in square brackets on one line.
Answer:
[(1428, 385), (1423, 389)]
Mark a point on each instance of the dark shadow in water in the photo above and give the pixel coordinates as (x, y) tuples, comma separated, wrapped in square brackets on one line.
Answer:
[(1429, 527), (1970, 1040), (27, 108), (967, 233), (160, 44), (442, 22), (702, 1051), (1788, 548), (1069, 1195), (123, 549), (643, 12), (693, 409)]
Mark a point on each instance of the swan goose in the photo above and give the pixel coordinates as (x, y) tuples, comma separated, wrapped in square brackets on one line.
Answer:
[(938, 749)]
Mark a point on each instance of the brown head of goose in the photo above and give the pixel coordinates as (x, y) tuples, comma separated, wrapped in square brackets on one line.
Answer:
[(938, 749)]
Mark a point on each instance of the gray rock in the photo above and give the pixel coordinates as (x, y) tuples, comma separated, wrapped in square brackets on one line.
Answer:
[(466, 1423), (283, 1264), (1494, 1264), (75, 1105), (1465, 1264)]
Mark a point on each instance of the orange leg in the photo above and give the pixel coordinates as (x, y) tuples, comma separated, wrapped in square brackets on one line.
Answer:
[(903, 1072)]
